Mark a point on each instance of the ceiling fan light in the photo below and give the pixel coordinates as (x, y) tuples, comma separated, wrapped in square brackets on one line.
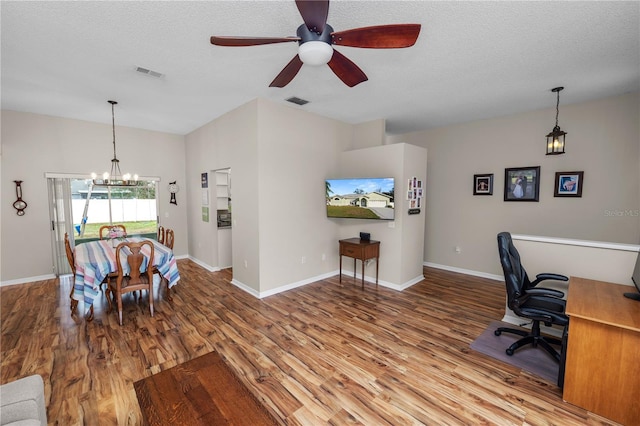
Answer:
[(315, 53)]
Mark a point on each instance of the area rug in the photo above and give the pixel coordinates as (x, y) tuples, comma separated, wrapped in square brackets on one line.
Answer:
[(533, 360), (203, 391)]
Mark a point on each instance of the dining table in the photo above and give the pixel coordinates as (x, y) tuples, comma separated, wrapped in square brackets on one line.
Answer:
[(95, 260)]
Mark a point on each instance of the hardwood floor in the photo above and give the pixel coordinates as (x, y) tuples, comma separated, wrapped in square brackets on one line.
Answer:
[(325, 353)]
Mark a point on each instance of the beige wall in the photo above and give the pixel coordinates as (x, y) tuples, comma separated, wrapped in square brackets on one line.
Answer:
[(603, 141), (34, 144), (266, 144), (279, 158), (227, 142)]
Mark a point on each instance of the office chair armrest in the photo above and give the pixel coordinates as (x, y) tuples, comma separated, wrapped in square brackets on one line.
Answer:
[(545, 292), (547, 276), (549, 318)]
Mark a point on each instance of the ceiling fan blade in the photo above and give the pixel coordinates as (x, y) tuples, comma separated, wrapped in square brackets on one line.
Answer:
[(249, 41), (287, 73), (378, 37), (346, 70), (314, 13)]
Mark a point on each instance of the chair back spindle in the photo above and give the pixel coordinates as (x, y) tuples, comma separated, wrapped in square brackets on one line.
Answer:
[(168, 239), (160, 237)]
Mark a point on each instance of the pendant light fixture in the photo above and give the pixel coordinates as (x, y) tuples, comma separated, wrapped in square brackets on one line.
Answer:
[(115, 178), (555, 139)]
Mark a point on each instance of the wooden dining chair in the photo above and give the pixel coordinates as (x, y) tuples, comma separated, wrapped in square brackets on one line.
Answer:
[(168, 238), (168, 241), (134, 280), (104, 230), (72, 263), (160, 237)]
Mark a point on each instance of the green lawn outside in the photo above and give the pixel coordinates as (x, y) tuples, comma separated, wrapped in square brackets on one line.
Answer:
[(147, 229), (350, 212)]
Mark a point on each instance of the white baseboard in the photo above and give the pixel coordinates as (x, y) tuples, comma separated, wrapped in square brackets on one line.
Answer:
[(201, 263), (27, 280), (291, 286), (465, 271)]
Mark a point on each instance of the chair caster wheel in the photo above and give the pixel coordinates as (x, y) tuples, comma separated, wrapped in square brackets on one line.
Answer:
[(509, 351), (497, 332)]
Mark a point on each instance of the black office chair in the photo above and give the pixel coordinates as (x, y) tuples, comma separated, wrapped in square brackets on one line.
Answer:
[(525, 300)]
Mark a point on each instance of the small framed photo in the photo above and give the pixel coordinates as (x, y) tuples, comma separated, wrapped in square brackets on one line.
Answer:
[(569, 184), (483, 184), (522, 183)]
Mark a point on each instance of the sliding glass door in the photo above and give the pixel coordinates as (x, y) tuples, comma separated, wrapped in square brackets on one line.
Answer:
[(79, 208), (134, 207)]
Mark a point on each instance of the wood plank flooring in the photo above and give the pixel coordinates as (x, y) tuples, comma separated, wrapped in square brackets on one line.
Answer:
[(325, 353), (202, 391)]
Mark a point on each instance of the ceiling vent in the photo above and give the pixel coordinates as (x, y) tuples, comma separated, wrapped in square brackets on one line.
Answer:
[(148, 72), (297, 101)]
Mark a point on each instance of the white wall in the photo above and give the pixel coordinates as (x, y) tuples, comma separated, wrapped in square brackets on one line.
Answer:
[(34, 144), (401, 250), (297, 151), (603, 141), (279, 158), (229, 141)]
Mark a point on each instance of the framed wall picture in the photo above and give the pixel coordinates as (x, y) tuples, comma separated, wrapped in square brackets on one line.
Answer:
[(522, 183), (569, 184), (483, 184)]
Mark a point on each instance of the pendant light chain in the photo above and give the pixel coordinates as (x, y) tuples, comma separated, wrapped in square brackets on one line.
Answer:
[(113, 126), (115, 178), (557, 109)]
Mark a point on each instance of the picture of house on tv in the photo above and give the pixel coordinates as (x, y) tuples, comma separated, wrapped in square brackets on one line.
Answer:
[(360, 198)]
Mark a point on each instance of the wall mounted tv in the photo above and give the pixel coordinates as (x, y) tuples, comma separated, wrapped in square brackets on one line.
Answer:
[(360, 198)]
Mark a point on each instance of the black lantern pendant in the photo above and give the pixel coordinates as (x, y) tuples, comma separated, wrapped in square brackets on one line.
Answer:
[(555, 139)]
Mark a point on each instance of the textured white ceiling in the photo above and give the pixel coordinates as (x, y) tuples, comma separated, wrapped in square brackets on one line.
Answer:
[(472, 60)]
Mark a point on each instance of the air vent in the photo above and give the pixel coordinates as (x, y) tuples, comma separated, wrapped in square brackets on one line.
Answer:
[(297, 101), (148, 72)]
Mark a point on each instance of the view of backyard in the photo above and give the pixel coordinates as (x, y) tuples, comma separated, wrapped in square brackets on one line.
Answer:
[(146, 228)]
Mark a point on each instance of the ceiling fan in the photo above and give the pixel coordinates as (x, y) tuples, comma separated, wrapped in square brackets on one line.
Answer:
[(315, 38)]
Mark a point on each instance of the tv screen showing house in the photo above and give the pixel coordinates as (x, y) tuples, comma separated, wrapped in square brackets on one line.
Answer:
[(360, 198)]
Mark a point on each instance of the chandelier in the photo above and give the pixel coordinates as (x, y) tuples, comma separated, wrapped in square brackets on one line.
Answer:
[(555, 139), (115, 178)]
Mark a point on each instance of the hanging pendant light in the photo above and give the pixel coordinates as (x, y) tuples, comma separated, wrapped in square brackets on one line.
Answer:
[(555, 139), (115, 178)]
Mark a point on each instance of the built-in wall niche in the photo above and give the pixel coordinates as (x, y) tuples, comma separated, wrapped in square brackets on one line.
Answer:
[(223, 189)]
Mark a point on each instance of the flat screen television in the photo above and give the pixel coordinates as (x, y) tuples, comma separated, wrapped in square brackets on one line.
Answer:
[(635, 277), (360, 198)]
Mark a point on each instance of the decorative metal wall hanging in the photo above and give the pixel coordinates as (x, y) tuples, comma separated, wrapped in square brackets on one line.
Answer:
[(173, 189), (19, 204)]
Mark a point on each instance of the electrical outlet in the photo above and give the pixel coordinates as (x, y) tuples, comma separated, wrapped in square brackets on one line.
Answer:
[(392, 224), (303, 260), (458, 249), (324, 257), (246, 264)]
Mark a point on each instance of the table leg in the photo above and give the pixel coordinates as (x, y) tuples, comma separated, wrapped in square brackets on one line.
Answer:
[(169, 298), (362, 274), (340, 268), (377, 264), (354, 269), (89, 316), (73, 302)]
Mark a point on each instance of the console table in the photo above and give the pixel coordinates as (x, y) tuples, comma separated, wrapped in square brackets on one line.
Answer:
[(360, 249), (602, 372)]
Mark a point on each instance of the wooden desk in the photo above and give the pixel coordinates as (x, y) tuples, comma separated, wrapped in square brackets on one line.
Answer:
[(360, 249), (602, 372)]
